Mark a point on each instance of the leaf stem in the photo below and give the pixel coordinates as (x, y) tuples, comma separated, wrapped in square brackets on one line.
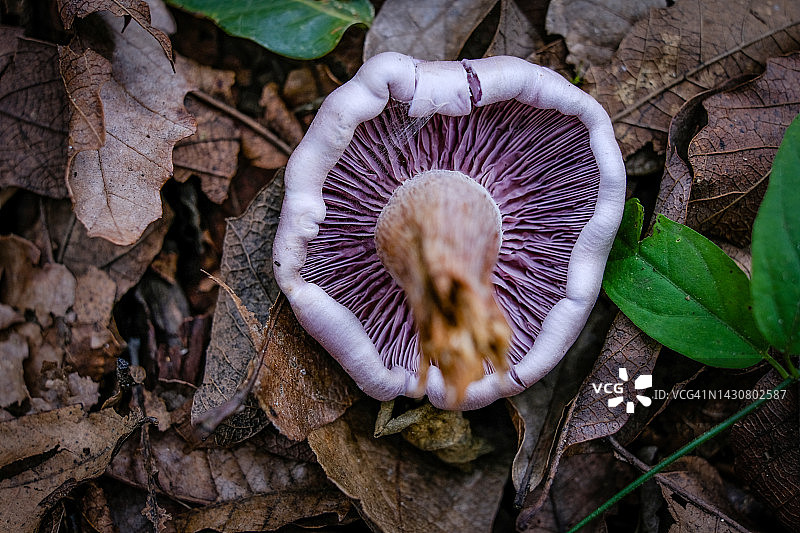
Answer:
[(778, 367), (790, 365), (683, 451)]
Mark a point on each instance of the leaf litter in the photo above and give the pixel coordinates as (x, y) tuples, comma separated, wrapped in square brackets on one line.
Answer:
[(564, 430)]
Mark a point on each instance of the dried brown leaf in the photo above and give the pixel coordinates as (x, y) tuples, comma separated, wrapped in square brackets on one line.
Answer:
[(234, 485), (95, 509), (84, 74), (767, 448), (116, 189), (246, 267), (214, 82), (211, 153), (593, 29), (45, 455), (300, 387), (681, 51), (261, 152), (13, 351), (403, 489), (33, 116), (731, 157), (125, 265), (696, 498), (278, 116), (436, 30), (137, 10), (515, 35)]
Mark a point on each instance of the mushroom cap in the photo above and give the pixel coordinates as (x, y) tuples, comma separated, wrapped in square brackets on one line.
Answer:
[(543, 149)]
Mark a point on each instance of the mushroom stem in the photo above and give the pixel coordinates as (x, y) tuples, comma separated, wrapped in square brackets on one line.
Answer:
[(439, 237)]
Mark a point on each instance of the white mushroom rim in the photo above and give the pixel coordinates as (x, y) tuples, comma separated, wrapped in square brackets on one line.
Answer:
[(450, 92)]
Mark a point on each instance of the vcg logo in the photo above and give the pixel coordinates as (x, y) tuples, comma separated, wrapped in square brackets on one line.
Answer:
[(618, 389)]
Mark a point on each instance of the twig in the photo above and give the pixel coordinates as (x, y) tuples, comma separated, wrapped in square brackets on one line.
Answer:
[(664, 480), (244, 119)]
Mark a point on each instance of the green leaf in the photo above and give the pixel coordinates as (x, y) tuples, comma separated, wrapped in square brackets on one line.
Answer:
[(683, 291), (776, 249), (300, 29)]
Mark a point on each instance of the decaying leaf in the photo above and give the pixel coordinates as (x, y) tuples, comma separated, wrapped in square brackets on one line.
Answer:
[(116, 189), (44, 456), (767, 452), (278, 117), (681, 51), (300, 386), (436, 30), (731, 157), (403, 489), (695, 497), (84, 75), (515, 34), (33, 115), (246, 267), (593, 29), (211, 153), (137, 10), (244, 488), (13, 351), (70, 241)]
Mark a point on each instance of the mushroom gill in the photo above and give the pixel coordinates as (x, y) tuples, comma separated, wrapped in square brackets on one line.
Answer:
[(537, 180)]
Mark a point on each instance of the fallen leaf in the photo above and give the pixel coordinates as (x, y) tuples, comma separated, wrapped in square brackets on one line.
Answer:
[(33, 115), (515, 35), (125, 265), (436, 30), (696, 498), (260, 152), (116, 189), (300, 387), (95, 509), (137, 10), (13, 351), (583, 483), (246, 267), (214, 82), (767, 452), (45, 455), (683, 50), (84, 74), (403, 489), (241, 489), (593, 29), (278, 116), (731, 157), (211, 153)]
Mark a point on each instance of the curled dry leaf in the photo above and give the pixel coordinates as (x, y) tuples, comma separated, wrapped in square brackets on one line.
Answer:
[(45, 455), (767, 448), (681, 51), (593, 29), (84, 74), (403, 489), (116, 189), (137, 10), (13, 351), (33, 115), (436, 31), (731, 157)]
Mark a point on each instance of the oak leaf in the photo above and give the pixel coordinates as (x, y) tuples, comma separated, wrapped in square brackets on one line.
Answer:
[(115, 189)]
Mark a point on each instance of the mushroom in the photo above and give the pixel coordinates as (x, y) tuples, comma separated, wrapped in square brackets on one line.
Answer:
[(446, 225)]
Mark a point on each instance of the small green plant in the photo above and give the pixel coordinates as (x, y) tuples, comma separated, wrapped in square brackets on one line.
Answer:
[(685, 292), (299, 29)]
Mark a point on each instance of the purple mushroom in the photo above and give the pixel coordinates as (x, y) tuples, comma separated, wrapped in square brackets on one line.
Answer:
[(446, 225)]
